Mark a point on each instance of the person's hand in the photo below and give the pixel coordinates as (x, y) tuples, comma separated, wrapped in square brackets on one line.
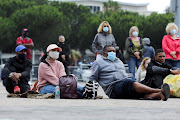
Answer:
[(175, 72), (173, 53), (15, 77), (174, 56), (97, 53), (137, 55), (63, 57)]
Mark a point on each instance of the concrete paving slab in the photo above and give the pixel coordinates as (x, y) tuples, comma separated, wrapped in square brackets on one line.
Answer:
[(83, 109)]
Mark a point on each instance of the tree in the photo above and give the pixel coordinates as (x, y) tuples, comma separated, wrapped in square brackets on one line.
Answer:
[(44, 22), (7, 27), (111, 6), (8, 7), (47, 20), (77, 19)]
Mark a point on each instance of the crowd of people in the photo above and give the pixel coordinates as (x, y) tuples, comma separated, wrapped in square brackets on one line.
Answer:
[(108, 68)]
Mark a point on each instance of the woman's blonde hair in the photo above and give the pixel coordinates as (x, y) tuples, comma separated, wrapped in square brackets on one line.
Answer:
[(170, 26), (143, 67), (131, 30), (100, 29)]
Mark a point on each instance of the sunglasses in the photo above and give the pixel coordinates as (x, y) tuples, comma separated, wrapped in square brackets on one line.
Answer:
[(106, 26)]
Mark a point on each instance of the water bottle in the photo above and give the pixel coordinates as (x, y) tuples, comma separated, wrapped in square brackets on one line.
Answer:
[(57, 92)]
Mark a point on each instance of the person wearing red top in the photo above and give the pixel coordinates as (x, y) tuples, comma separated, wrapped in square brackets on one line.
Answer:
[(26, 41), (171, 45)]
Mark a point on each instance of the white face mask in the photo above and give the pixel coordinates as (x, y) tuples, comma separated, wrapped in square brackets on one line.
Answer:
[(146, 65), (54, 54)]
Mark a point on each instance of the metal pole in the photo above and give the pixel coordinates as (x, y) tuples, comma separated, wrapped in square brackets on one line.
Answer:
[(177, 15)]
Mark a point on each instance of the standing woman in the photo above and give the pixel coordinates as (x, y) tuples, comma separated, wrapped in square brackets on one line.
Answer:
[(134, 50), (171, 45), (103, 37)]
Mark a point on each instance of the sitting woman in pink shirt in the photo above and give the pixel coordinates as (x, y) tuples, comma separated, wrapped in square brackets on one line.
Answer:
[(50, 70), (171, 45)]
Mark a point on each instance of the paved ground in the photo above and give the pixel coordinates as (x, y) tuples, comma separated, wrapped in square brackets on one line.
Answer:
[(102, 109)]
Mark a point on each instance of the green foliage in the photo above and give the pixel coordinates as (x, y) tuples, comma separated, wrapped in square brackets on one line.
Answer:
[(111, 6), (47, 20), (7, 37), (78, 20), (8, 7), (42, 21)]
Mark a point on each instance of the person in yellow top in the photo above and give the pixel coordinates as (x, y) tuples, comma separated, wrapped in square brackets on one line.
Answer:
[(134, 50)]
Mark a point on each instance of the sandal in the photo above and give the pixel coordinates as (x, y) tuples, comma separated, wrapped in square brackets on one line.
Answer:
[(165, 90)]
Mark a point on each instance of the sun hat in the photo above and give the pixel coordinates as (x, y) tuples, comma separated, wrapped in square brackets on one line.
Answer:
[(53, 46), (20, 47)]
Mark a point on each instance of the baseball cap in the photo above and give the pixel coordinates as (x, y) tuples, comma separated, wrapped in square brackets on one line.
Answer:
[(20, 47), (53, 46), (24, 30)]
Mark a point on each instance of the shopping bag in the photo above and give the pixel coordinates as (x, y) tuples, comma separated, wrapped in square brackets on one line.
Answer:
[(174, 83)]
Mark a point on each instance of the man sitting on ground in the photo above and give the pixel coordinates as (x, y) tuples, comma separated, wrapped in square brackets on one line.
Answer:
[(17, 71), (157, 70), (110, 73)]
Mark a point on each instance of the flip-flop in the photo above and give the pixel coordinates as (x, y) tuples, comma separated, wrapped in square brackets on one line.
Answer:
[(166, 90)]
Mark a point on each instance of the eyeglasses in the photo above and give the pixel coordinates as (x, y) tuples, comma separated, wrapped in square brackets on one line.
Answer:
[(106, 26)]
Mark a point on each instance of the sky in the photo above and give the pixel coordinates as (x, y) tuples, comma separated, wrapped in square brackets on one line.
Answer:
[(154, 5)]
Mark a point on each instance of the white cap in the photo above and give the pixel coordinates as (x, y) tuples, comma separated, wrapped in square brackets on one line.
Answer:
[(53, 46)]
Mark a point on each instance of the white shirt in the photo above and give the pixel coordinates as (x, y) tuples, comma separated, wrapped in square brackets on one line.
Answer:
[(140, 75)]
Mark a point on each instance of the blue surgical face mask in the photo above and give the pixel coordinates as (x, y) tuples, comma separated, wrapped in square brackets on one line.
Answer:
[(105, 29), (135, 33), (111, 56), (173, 31)]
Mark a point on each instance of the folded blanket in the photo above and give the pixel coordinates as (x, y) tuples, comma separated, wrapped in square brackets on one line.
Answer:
[(32, 94)]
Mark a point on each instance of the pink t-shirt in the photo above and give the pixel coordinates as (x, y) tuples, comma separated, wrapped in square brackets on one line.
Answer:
[(49, 75)]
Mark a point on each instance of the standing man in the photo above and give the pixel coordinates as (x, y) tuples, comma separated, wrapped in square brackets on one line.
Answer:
[(64, 54), (26, 41), (17, 71)]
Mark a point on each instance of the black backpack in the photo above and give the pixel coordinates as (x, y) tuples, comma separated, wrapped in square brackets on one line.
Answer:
[(68, 87)]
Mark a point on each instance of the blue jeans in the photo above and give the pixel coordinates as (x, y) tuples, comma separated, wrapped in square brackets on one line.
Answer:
[(51, 89), (133, 62), (173, 63)]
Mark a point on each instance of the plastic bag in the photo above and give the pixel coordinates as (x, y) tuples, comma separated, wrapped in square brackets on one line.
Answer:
[(174, 83)]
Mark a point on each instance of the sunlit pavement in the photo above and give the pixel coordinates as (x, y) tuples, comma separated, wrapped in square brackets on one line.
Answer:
[(83, 109)]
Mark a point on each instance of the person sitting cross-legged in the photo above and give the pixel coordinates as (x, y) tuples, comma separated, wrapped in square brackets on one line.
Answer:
[(50, 70), (17, 72), (110, 73)]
